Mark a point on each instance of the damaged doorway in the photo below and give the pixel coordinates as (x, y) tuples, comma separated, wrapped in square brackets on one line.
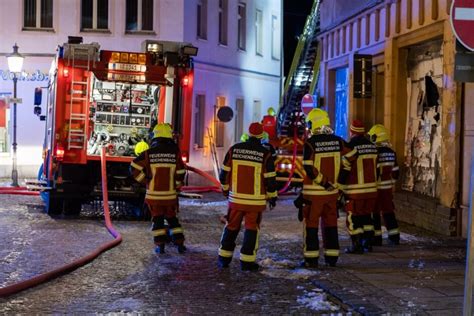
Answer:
[(422, 146)]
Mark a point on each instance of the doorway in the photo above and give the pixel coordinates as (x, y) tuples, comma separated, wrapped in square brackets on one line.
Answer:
[(341, 110)]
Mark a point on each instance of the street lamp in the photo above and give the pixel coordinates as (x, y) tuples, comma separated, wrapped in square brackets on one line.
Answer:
[(15, 65)]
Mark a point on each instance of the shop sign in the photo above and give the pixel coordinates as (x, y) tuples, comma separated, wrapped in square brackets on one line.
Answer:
[(464, 67), (37, 75), (462, 22)]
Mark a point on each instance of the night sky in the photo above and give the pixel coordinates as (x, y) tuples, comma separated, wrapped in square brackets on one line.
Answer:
[(295, 13)]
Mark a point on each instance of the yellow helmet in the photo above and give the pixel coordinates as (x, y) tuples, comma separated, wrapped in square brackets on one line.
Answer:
[(163, 130), (318, 118), (271, 111), (244, 137), (140, 147), (378, 133)]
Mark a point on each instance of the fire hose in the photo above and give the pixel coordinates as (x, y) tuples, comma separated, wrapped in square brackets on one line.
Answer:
[(44, 277)]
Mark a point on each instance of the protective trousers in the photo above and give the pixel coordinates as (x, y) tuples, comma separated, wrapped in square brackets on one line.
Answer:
[(160, 232), (386, 209), (359, 223), (324, 208), (248, 251)]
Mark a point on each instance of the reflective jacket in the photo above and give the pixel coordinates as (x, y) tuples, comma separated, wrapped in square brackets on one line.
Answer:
[(162, 169), (248, 175), (387, 167), (323, 157), (361, 181)]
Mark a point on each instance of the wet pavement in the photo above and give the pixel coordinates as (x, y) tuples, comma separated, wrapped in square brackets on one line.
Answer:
[(424, 275)]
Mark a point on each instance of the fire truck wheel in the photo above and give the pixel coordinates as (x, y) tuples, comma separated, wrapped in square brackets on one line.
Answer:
[(72, 207)]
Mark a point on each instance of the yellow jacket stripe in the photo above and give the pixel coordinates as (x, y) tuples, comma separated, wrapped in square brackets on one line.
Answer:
[(269, 174), (247, 202), (181, 171), (311, 254), (331, 252), (136, 166), (158, 232), (248, 258), (272, 194), (225, 253)]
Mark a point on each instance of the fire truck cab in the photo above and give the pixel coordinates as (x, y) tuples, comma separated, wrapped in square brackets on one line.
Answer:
[(113, 99)]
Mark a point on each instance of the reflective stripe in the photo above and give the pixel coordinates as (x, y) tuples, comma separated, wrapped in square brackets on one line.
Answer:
[(358, 186), (247, 202), (160, 193), (346, 163), (226, 168), (351, 229), (269, 174), (319, 178), (136, 166), (272, 194), (257, 174), (331, 252), (225, 253), (140, 177), (377, 233), (368, 228), (248, 258), (158, 232), (395, 168), (247, 196), (292, 179), (307, 162), (394, 231), (369, 190), (384, 187), (311, 254), (181, 171), (319, 192), (177, 230), (158, 198), (171, 168), (385, 182), (351, 153), (384, 164), (225, 187)]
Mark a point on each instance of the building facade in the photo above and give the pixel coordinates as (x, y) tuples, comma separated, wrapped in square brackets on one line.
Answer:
[(414, 94), (238, 64)]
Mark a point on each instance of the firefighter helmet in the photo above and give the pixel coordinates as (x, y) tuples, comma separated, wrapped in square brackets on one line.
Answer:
[(271, 111), (318, 118), (163, 130), (140, 147), (378, 133), (244, 137)]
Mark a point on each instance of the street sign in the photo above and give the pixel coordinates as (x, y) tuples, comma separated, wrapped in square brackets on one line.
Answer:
[(462, 22), (16, 100)]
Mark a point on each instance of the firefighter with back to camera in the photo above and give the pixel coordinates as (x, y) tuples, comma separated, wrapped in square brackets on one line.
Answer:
[(162, 169), (387, 174), (360, 188), (324, 155), (248, 180)]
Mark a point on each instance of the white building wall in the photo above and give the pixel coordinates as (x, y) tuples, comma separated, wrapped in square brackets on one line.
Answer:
[(220, 71)]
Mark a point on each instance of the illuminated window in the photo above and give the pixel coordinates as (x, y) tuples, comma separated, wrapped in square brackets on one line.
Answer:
[(200, 120), (139, 15), (239, 119), (259, 32), (219, 127), (242, 26), (202, 19), (94, 15), (38, 14), (275, 38), (223, 17)]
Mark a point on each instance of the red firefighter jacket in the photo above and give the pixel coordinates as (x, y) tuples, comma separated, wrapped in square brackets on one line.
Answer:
[(323, 157), (248, 175), (361, 181), (387, 167), (162, 169)]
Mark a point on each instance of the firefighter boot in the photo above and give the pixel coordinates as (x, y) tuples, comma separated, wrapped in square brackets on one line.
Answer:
[(377, 241), (160, 248), (181, 248), (394, 239), (249, 266), (310, 263), (367, 241), (223, 262), (356, 247)]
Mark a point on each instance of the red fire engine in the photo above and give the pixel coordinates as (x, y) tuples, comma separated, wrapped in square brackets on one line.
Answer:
[(112, 99)]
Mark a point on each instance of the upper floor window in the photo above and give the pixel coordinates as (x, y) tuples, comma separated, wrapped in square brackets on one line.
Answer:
[(223, 17), (259, 32), (38, 14), (202, 19), (275, 38), (139, 15), (94, 15), (242, 26)]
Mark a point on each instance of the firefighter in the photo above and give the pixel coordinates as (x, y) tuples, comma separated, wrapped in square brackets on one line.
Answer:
[(266, 143), (162, 169), (387, 173), (244, 137), (269, 123), (360, 189), (248, 180), (324, 154)]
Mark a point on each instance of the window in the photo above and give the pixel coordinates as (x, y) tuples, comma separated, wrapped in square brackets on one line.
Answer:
[(139, 15), (219, 131), (275, 38), (3, 126), (38, 14), (259, 33), (242, 26), (202, 19), (94, 15), (223, 16), (239, 119), (257, 111), (199, 120)]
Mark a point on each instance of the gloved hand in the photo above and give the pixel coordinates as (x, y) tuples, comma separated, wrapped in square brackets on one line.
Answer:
[(272, 203)]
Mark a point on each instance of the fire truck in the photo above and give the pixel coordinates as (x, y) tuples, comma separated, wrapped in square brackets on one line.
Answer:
[(109, 98)]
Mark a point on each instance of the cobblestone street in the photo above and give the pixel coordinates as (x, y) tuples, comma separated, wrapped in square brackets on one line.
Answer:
[(424, 275)]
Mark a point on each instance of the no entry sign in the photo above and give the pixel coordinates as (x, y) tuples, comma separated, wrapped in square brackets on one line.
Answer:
[(462, 21)]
